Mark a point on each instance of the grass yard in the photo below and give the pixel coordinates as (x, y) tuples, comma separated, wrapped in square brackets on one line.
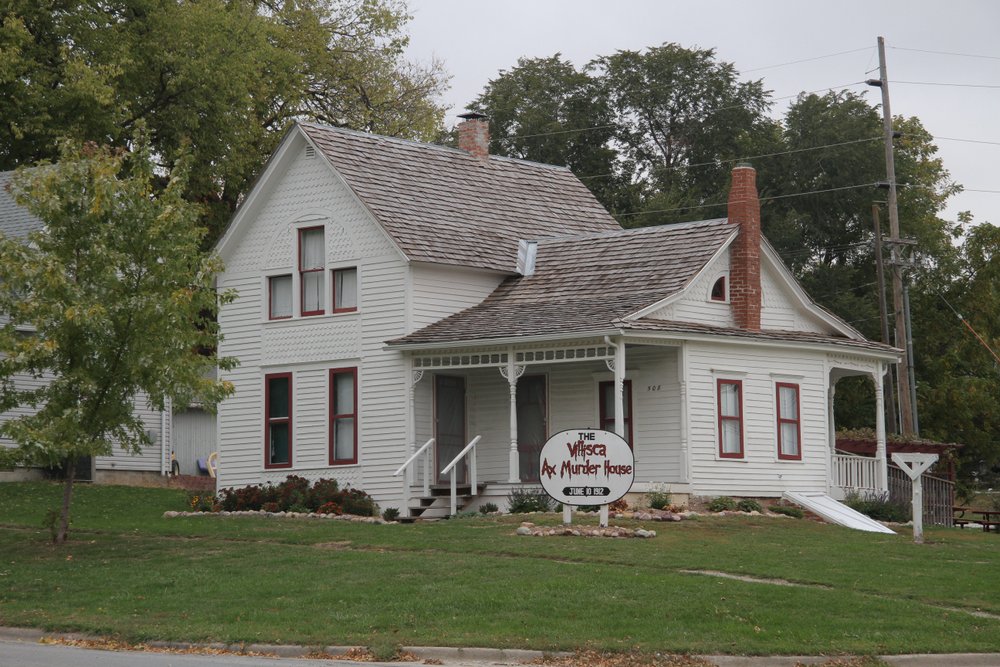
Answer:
[(133, 575)]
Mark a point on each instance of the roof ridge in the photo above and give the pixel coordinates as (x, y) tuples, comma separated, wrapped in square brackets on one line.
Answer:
[(630, 231), (423, 145)]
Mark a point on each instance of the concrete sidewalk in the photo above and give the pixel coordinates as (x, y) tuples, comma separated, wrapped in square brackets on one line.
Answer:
[(293, 655)]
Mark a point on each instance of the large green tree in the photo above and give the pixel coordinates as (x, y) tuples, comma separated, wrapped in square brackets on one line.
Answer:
[(110, 303), (225, 77)]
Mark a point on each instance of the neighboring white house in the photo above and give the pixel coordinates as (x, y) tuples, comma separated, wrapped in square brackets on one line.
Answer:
[(17, 222), (390, 292)]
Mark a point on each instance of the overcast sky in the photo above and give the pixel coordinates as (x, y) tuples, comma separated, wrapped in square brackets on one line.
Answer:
[(476, 40)]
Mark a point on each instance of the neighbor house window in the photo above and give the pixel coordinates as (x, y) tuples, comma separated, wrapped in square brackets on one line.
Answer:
[(730, 419), (345, 290), (312, 272), (278, 420), (343, 416), (607, 392), (789, 424), (279, 297)]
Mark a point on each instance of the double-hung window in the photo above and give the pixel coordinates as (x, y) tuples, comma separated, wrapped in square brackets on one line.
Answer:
[(343, 416), (279, 296), (789, 423), (730, 418), (345, 290), (312, 270), (278, 420)]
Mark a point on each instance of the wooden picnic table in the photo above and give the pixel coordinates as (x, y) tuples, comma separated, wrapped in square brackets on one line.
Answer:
[(985, 518)]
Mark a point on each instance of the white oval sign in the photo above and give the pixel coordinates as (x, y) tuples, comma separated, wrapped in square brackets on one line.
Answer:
[(586, 467)]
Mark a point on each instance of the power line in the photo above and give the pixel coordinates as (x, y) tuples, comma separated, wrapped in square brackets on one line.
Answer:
[(968, 141), (751, 157), (763, 199), (806, 60), (968, 326), (946, 53), (944, 83)]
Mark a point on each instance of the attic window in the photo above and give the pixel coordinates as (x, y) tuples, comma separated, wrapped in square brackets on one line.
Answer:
[(310, 151), (719, 290)]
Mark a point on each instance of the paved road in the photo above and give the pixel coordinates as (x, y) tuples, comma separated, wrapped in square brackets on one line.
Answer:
[(32, 654)]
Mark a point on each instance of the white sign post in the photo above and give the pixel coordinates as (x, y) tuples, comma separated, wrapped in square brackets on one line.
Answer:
[(586, 467), (914, 465)]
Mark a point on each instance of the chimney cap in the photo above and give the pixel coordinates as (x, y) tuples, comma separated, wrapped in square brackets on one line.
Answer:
[(472, 115), (743, 165)]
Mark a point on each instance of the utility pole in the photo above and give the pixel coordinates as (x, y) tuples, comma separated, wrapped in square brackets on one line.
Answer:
[(890, 401), (895, 243)]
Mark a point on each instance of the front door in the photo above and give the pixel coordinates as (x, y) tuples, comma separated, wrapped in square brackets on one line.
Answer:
[(449, 425), (531, 424)]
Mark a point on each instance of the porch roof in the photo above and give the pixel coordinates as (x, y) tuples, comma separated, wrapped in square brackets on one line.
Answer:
[(586, 283)]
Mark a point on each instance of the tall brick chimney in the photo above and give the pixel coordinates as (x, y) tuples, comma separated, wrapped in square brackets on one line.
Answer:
[(474, 134), (744, 254)]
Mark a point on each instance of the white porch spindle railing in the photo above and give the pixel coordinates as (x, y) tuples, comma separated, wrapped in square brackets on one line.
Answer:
[(858, 473), (409, 479), (450, 471)]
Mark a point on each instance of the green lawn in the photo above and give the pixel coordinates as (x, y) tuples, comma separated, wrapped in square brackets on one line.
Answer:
[(132, 574)]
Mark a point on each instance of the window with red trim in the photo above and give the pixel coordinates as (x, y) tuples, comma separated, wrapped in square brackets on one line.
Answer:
[(343, 416), (730, 394), (279, 297), (345, 290), (719, 289), (789, 423), (607, 401), (312, 270), (278, 420)]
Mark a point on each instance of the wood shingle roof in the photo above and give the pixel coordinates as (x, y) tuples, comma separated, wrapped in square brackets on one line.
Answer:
[(446, 206)]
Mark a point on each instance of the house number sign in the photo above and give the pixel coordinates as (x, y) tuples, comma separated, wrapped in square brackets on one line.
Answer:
[(586, 467)]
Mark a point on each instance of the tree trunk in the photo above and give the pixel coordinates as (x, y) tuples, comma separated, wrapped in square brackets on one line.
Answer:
[(63, 531)]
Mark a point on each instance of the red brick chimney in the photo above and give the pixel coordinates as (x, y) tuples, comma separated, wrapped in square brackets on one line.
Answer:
[(744, 254), (474, 134)]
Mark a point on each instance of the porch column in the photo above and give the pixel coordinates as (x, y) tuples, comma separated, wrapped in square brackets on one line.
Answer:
[(882, 462), (833, 478), (617, 366), (512, 372)]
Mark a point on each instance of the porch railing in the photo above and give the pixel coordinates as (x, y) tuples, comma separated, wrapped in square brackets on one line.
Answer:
[(409, 479), (450, 471), (939, 495), (856, 473)]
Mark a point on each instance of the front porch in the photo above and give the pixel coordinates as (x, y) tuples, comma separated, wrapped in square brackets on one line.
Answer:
[(509, 400)]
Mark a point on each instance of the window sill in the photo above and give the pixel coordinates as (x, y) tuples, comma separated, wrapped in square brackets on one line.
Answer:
[(312, 318)]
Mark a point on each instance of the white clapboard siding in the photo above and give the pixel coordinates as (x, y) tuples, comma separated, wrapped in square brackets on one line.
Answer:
[(439, 291), (760, 472)]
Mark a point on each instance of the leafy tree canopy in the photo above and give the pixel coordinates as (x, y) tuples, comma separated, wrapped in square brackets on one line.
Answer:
[(225, 77), (112, 299)]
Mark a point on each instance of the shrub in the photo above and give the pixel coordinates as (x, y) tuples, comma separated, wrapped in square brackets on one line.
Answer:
[(390, 514), (201, 501), (878, 506), (323, 491), (619, 505), (794, 512), (295, 494), (522, 501), (356, 501), (749, 505), (488, 508), (722, 504), (658, 500)]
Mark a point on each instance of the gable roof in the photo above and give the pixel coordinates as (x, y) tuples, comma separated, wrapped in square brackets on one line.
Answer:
[(15, 220), (587, 283), (444, 205)]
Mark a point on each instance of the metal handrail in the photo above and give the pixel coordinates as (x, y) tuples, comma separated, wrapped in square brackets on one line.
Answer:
[(450, 471), (409, 477)]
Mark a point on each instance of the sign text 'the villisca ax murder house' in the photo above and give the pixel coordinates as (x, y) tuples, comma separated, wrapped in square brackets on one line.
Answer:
[(586, 467)]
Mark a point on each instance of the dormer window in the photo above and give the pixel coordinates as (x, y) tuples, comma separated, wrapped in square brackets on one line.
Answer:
[(719, 290), (312, 270)]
